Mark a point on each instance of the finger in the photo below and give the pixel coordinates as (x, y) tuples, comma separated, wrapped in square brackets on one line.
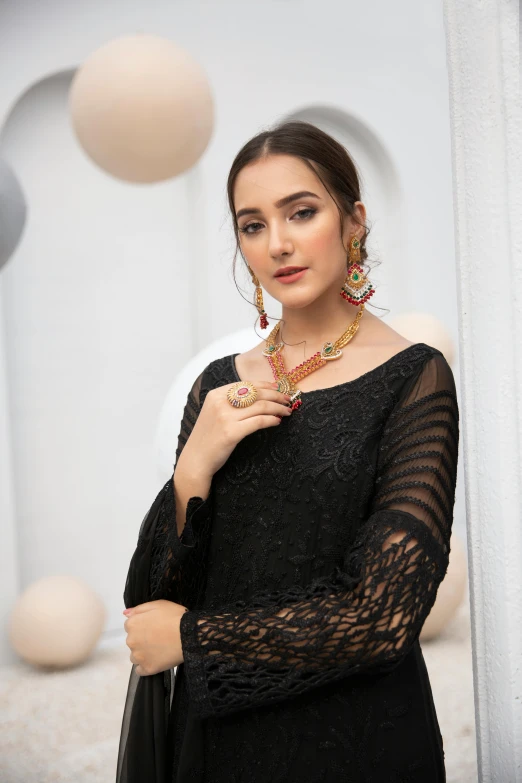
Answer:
[(258, 384), (142, 607), (267, 391), (272, 407), (266, 386), (253, 423), (273, 386), (268, 401), (262, 414)]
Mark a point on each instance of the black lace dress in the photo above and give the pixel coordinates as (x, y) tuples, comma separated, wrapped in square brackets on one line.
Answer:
[(308, 573)]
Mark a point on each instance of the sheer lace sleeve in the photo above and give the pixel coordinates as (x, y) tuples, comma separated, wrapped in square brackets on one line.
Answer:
[(170, 551), (156, 568), (368, 613), (164, 565)]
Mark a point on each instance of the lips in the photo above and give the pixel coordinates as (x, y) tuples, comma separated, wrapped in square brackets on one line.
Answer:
[(288, 270)]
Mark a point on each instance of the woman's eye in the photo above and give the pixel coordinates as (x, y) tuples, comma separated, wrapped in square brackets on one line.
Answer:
[(245, 230), (307, 212)]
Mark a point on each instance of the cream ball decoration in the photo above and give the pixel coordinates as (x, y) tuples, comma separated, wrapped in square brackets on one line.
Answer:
[(56, 622), (425, 328), (142, 109), (450, 593)]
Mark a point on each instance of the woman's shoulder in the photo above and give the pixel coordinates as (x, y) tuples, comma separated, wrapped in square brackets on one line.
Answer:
[(218, 372), (236, 362)]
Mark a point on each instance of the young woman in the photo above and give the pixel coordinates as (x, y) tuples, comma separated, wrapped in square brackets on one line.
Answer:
[(287, 567)]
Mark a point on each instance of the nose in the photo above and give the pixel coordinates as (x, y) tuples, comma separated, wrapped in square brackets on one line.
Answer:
[(279, 243)]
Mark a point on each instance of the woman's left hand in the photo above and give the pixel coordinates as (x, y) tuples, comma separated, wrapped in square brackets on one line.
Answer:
[(153, 636)]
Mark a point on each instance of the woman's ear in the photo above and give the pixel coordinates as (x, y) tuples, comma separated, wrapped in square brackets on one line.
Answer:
[(360, 211), (349, 228)]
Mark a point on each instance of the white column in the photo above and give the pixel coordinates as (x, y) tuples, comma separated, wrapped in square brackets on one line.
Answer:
[(483, 65)]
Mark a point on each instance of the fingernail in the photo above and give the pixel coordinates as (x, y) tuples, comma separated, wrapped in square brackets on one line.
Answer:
[(126, 611)]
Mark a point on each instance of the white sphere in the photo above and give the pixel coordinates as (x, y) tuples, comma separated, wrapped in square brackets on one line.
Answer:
[(142, 108), (425, 328), (450, 593), (56, 622)]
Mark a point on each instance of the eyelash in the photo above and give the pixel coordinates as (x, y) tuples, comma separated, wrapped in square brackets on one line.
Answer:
[(299, 212)]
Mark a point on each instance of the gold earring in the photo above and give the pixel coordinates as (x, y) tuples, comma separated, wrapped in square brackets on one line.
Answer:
[(356, 289), (258, 301)]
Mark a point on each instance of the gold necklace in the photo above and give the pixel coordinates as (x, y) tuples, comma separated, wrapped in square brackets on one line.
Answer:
[(289, 379)]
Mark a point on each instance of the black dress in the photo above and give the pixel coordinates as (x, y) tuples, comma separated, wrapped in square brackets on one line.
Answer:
[(308, 573)]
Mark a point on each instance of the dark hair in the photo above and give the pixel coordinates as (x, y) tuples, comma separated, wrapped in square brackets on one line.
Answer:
[(325, 156)]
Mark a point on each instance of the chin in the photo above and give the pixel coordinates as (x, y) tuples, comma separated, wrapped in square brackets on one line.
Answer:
[(299, 300)]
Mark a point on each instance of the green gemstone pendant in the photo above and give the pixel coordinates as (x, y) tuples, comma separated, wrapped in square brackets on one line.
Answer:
[(328, 351)]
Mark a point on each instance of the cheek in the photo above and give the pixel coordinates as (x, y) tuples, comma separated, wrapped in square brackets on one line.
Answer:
[(323, 240), (254, 252)]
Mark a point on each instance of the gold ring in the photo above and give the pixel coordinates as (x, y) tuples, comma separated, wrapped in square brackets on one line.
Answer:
[(242, 394)]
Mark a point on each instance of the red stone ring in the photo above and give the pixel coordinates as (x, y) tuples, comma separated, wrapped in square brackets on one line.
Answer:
[(242, 394)]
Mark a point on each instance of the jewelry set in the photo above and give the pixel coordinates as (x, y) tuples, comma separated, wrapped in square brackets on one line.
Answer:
[(356, 289)]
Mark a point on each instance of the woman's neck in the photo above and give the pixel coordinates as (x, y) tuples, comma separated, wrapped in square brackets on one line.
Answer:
[(305, 330)]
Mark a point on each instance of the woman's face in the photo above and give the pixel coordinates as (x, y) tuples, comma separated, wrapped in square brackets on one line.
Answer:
[(304, 231)]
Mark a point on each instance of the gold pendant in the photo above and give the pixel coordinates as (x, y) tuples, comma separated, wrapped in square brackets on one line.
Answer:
[(272, 349), (286, 386), (328, 351), (290, 388)]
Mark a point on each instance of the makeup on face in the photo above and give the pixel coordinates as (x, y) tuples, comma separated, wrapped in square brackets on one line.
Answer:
[(290, 278)]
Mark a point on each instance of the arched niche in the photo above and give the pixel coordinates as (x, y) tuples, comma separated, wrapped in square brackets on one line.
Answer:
[(101, 281)]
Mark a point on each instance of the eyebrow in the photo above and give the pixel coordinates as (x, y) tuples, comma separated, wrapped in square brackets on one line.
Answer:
[(281, 203)]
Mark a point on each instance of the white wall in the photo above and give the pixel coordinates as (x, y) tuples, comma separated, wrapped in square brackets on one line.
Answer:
[(483, 45), (98, 289), (115, 286)]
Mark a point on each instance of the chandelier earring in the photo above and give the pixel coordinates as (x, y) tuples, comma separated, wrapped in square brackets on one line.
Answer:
[(356, 289), (258, 301)]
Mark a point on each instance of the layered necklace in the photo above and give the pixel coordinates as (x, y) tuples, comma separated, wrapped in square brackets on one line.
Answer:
[(288, 379)]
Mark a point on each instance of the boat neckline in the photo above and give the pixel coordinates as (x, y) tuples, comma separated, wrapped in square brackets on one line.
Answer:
[(345, 383)]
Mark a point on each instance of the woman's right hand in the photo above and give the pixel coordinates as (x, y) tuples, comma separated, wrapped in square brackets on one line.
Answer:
[(220, 426)]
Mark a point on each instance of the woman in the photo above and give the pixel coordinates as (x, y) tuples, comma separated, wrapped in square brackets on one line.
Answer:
[(288, 566)]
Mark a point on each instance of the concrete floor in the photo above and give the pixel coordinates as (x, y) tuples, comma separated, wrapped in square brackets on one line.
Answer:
[(45, 736)]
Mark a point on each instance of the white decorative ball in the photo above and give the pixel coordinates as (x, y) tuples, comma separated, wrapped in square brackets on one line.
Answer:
[(142, 108), (425, 328), (56, 622), (450, 593)]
